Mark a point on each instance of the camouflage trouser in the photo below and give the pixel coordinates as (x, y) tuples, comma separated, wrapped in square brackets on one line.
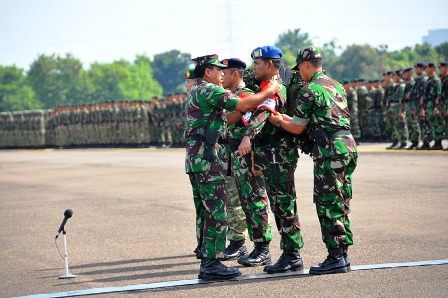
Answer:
[(210, 201), (354, 127), (253, 198), (236, 219), (374, 128), (412, 122), (426, 123), (397, 123), (282, 196), (385, 133), (332, 195), (437, 123), (445, 119), (363, 123)]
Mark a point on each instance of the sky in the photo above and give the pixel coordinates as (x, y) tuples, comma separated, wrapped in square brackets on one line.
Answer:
[(108, 30)]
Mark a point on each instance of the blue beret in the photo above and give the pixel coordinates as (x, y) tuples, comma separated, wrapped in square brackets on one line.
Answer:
[(408, 69), (234, 63), (420, 64), (431, 64), (389, 73), (266, 52)]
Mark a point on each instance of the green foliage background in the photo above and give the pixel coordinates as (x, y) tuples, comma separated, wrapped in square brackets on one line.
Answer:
[(61, 80)]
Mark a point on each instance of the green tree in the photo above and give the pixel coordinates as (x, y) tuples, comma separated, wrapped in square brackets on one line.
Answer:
[(15, 95), (329, 57), (358, 61), (442, 50), (291, 42), (58, 80), (122, 80), (169, 69)]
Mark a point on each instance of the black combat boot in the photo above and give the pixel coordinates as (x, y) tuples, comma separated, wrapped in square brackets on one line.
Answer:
[(235, 250), (437, 145), (393, 145), (215, 270), (334, 263), (425, 146), (413, 146), (403, 145), (201, 268), (258, 257), (288, 261), (346, 260)]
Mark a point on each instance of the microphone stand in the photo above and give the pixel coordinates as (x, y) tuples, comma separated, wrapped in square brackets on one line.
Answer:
[(66, 275)]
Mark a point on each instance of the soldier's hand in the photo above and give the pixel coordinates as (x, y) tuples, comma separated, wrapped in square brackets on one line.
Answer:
[(436, 111), (274, 118), (245, 146), (273, 87)]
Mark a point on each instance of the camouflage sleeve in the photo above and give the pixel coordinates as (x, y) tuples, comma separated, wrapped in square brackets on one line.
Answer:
[(305, 105), (257, 122), (221, 98)]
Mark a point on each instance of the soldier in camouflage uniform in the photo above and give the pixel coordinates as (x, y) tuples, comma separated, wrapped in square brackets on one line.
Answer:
[(443, 66), (232, 80), (352, 101), (387, 109), (207, 157), (431, 92), (374, 113), (438, 117), (411, 112), (275, 159), (363, 105), (323, 104), (398, 122)]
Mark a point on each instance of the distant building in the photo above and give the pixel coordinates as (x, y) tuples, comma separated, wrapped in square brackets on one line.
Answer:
[(436, 37)]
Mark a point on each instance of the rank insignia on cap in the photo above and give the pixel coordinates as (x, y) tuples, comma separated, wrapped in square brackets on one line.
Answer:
[(225, 62), (187, 74), (257, 53)]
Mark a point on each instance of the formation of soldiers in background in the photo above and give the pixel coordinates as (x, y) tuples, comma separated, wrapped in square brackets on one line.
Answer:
[(159, 122), (399, 108)]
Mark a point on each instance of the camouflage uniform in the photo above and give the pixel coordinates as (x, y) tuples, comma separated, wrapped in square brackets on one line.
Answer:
[(397, 115), (374, 113), (205, 105), (363, 105), (431, 91), (281, 192), (237, 193), (388, 115), (444, 101), (323, 104), (411, 108), (352, 100)]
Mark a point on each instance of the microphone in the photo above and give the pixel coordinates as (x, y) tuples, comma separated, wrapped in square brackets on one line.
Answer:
[(67, 214)]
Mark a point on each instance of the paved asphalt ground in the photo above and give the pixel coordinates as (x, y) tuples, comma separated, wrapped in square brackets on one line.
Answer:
[(133, 223)]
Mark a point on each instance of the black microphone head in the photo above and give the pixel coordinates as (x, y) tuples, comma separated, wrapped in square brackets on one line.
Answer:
[(68, 213)]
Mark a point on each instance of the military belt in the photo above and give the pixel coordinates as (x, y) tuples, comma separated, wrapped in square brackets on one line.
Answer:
[(201, 138)]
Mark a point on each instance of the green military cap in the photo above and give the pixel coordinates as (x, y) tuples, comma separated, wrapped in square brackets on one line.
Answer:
[(308, 54), (354, 80), (189, 74), (361, 80), (208, 59)]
